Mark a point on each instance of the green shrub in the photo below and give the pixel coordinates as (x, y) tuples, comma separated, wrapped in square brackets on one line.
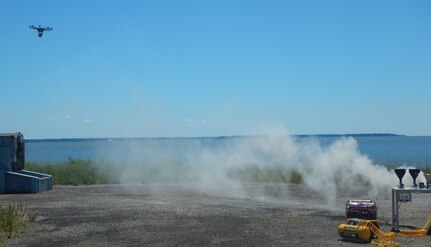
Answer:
[(295, 177)]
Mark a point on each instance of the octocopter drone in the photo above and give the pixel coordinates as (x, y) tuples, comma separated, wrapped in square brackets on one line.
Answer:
[(40, 30)]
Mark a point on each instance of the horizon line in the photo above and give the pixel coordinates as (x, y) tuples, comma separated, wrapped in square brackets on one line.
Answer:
[(210, 137)]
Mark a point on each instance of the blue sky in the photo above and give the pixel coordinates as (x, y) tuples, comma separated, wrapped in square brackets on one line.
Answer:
[(211, 68)]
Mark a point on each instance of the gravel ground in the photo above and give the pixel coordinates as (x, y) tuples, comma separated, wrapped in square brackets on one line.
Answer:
[(175, 215)]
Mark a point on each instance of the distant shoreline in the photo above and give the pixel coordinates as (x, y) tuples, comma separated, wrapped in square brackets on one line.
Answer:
[(203, 138)]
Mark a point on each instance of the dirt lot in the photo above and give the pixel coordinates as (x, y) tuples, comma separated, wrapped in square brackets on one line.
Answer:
[(174, 215)]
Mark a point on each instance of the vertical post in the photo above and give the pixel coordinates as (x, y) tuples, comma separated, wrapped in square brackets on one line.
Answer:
[(397, 208), (393, 208)]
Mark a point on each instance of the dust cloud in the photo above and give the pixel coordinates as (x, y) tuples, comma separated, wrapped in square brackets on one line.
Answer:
[(222, 166)]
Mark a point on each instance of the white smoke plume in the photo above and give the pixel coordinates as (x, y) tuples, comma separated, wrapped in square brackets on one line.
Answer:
[(329, 169)]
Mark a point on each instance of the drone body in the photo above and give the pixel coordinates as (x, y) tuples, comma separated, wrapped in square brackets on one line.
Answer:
[(40, 30)]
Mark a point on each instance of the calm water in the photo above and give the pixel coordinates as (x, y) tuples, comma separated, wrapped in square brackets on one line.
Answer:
[(381, 149)]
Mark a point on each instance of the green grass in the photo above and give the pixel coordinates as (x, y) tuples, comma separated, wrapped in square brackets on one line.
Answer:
[(426, 170), (266, 175), (13, 220), (78, 172), (85, 172)]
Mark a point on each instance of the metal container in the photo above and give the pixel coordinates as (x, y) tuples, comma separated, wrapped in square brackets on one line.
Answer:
[(13, 177), (12, 148)]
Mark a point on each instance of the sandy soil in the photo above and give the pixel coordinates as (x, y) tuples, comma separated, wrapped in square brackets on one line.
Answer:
[(174, 215)]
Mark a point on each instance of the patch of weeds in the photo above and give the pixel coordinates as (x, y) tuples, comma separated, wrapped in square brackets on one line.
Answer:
[(13, 220)]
